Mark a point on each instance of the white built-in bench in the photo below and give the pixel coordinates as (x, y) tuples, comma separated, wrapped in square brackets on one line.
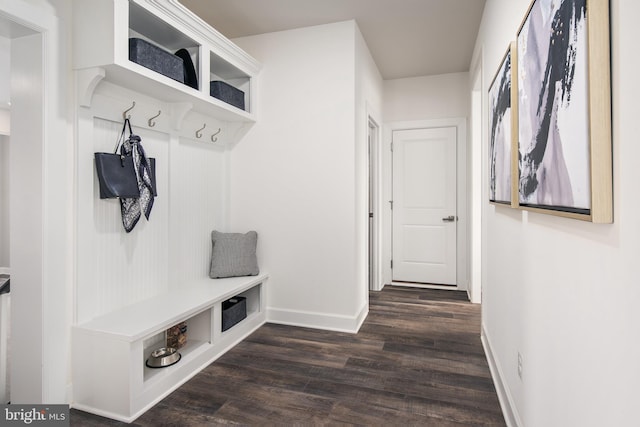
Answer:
[(110, 377)]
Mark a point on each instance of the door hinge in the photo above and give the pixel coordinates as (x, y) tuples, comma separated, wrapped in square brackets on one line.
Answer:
[(392, 146), (391, 203), (391, 263)]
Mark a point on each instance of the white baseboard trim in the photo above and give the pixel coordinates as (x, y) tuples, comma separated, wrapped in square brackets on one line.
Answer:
[(308, 319), (5, 270), (364, 311), (509, 410), (428, 286)]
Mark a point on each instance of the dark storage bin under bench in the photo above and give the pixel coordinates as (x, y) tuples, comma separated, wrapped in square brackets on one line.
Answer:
[(234, 310)]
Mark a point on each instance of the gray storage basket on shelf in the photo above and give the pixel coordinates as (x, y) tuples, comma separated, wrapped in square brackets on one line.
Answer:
[(157, 59), (227, 93)]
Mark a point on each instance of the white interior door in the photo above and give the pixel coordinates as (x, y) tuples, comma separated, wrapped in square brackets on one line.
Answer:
[(424, 205)]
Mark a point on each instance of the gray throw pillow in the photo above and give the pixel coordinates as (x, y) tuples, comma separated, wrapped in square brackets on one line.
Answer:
[(233, 254)]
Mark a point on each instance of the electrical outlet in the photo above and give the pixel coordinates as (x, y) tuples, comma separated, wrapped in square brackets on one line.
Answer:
[(520, 365)]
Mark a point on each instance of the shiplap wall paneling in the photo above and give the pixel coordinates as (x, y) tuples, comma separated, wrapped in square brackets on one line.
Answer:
[(199, 189), (130, 266)]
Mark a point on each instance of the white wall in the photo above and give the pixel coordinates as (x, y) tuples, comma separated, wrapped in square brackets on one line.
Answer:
[(5, 71), (441, 100), (5, 64), (294, 177), (562, 292), (5, 259), (428, 97), (369, 87)]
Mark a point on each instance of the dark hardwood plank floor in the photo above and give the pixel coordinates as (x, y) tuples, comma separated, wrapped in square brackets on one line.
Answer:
[(417, 360)]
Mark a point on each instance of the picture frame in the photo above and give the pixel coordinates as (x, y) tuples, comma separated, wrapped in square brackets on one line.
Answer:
[(564, 151), (503, 127)]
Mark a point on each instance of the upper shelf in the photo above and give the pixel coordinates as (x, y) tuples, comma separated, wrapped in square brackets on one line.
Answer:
[(102, 29)]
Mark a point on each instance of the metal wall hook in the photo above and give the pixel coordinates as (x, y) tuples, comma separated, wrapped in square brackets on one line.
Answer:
[(199, 131), (124, 113), (213, 137), (152, 123)]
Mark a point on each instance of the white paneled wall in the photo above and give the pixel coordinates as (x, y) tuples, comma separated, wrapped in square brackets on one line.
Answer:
[(198, 206), (130, 266), (116, 268)]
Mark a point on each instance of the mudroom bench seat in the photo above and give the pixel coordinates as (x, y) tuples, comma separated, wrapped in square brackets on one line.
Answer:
[(110, 375)]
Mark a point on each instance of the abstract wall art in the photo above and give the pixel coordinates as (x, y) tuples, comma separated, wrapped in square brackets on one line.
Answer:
[(502, 130), (564, 110)]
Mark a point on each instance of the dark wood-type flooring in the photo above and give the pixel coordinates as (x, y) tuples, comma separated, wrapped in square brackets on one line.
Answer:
[(417, 360)]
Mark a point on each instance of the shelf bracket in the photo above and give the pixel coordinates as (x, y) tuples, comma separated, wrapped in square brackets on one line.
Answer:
[(178, 112), (87, 80)]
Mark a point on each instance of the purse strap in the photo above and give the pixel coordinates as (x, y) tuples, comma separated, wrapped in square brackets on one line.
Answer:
[(121, 138)]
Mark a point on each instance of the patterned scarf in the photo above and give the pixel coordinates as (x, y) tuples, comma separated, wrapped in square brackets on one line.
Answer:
[(132, 208)]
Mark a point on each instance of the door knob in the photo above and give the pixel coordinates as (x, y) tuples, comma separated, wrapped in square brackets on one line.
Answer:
[(449, 218)]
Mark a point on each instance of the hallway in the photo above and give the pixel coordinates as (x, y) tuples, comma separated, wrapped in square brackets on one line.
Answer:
[(417, 360)]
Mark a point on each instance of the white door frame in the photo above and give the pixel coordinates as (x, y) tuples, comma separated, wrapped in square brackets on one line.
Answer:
[(386, 177), (40, 242), (476, 181), (374, 162)]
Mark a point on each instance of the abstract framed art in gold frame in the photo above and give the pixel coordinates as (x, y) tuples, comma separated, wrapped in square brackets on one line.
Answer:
[(503, 126), (564, 110)]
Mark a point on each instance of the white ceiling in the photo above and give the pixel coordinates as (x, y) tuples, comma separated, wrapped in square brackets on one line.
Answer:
[(407, 38)]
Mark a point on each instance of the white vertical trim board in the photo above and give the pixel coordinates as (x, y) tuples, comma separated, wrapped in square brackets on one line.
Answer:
[(28, 221), (43, 271), (5, 363), (5, 121), (475, 181), (378, 204)]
